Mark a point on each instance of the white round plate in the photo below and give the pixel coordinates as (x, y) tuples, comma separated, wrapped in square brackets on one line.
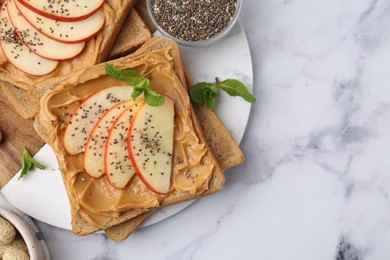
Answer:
[(42, 195)]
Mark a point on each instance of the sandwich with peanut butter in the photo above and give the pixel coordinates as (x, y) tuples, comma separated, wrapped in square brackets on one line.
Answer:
[(127, 140), (219, 139), (43, 43), (133, 34)]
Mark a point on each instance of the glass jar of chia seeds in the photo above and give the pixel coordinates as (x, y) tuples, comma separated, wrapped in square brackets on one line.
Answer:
[(194, 22)]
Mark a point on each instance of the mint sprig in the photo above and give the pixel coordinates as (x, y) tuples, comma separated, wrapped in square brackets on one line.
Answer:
[(206, 93), (140, 83), (28, 164)]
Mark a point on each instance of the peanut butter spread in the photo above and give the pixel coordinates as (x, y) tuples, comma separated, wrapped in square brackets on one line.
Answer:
[(97, 200), (88, 57)]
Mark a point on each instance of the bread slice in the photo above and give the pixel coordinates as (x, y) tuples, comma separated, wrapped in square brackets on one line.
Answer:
[(142, 10), (225, 148), (95, 51), (19, 100), (133, 34), (211, 125), (221, 142), (158, 65), (209, 122), (122, 231)]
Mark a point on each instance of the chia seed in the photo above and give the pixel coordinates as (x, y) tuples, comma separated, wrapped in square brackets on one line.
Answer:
[(193, 20), (10, 36)]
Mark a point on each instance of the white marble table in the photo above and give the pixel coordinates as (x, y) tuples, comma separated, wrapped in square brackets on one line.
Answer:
[(316, 182)]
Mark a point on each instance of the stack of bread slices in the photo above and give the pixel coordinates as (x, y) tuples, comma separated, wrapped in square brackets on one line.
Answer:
[(121, 159)]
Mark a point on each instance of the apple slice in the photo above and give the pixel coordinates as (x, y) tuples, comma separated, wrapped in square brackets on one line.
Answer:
[(88, 113), (17, 53), (67, 32), (63, 10), (94, 149), (118, 167), (39, 43), (150, 145)]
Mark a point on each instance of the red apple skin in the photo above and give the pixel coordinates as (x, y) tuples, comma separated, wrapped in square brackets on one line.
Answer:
[(61, 40), (140, 105), (137, 170), (74, 56), (78, 107), (29, 74), (31, 49), (63, 142), (58, 18), (64, 41), (94, 128)]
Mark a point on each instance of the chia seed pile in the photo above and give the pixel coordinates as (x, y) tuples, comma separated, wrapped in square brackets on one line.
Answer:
[(193, 20)]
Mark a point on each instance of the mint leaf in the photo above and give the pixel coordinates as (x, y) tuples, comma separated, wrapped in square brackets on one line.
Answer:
[(210, 98), (206, 93), (153, 98), (28, 164), (137, 92), (140, 83), (197, 92), (213, 88), (210, 95), (38, 165), (236, 88), (129, 76)]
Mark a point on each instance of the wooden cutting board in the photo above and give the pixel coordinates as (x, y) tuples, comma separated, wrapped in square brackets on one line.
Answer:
[(19, 133)]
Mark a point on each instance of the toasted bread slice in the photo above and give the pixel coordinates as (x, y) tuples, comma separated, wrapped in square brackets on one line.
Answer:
[(95, 51), (211, 126), (122, 231), (133, 34), (158, 65), (209, 121), (221, 142), (19, 100), (142, 10), (223, 146)]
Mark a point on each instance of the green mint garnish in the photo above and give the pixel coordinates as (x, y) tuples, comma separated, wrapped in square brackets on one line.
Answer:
[(140, 83), (28, 164), (206, 93)]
